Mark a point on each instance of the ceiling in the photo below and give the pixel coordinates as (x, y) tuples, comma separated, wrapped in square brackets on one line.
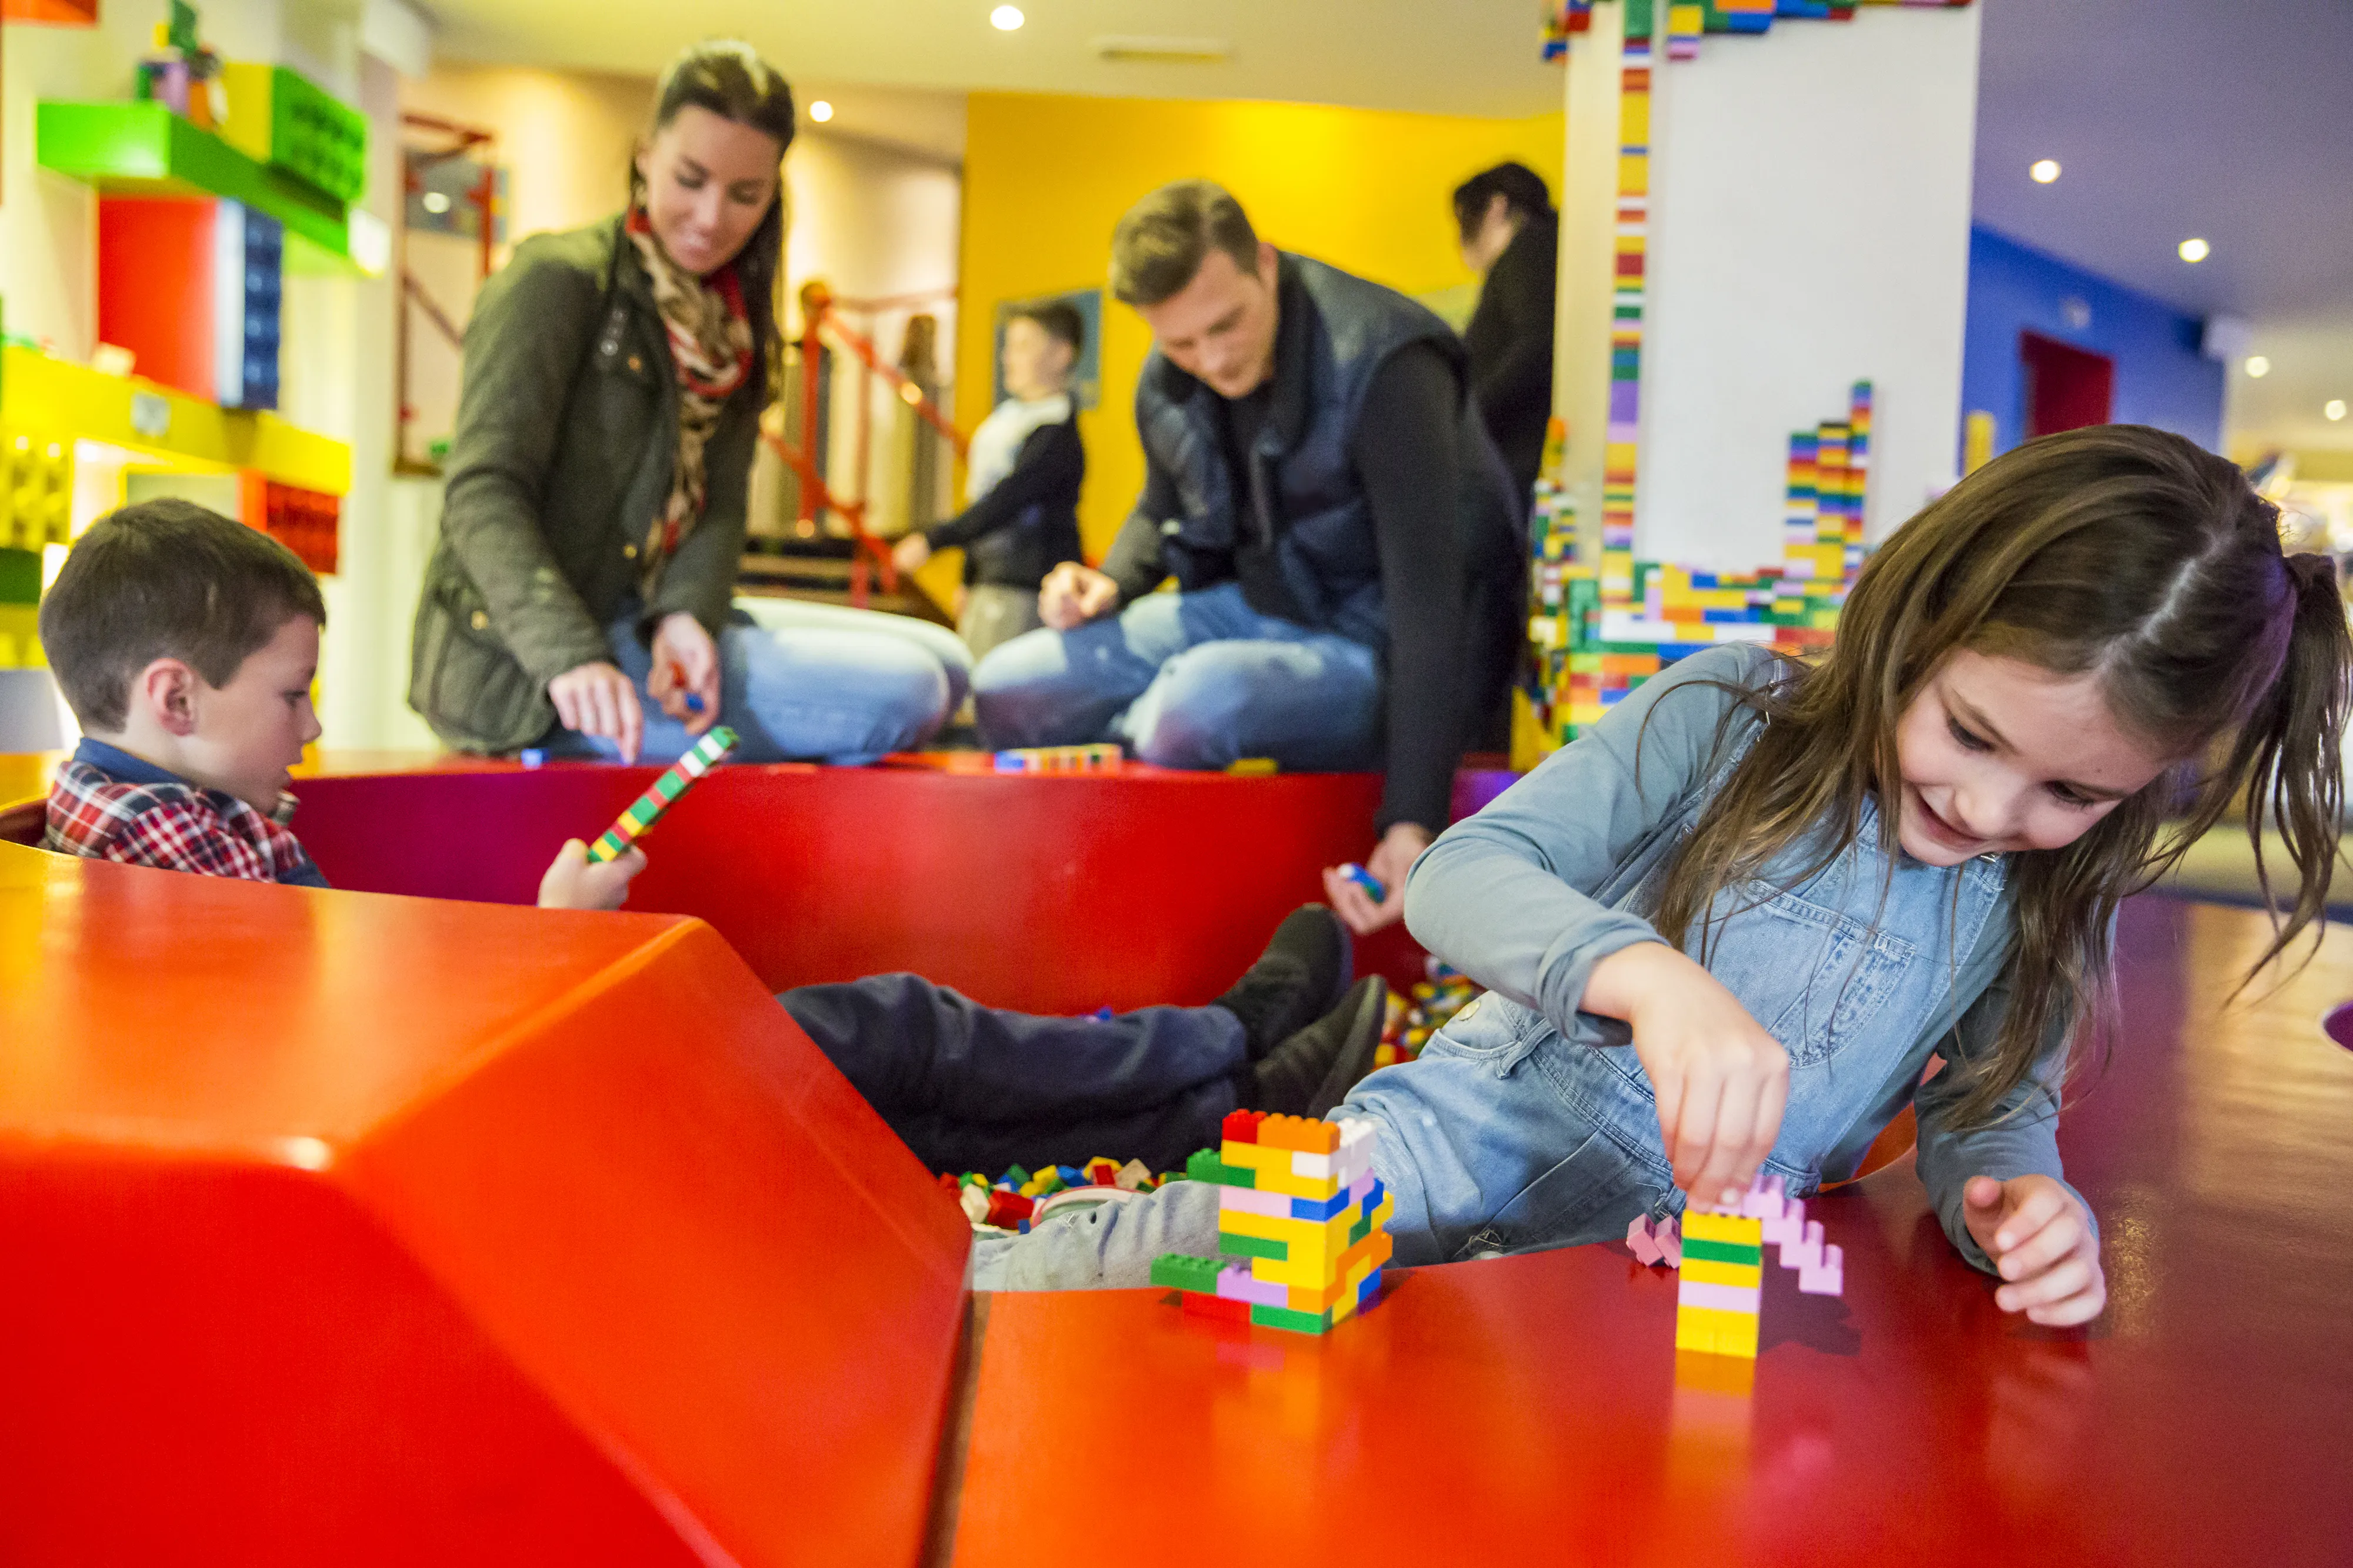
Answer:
[(1450, 57), (2227, 119)]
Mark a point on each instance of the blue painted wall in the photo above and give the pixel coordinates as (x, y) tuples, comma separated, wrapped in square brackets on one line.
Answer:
[(2161, 378)]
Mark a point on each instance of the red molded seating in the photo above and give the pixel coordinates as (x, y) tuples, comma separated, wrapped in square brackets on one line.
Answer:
[(355, 1229)]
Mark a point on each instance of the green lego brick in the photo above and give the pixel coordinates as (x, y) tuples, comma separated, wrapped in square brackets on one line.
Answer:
[(1177, 1271), (144, 149), (316, 137), (1722, 1251), (1266, 1317), (1253, 1247), (20, 576), (1205, 1166)]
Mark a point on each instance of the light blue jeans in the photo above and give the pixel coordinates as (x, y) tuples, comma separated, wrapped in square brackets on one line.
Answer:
[(803, 680), (1188, 680)]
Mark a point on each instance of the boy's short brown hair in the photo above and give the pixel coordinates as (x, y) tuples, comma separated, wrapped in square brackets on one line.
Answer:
[(1165, 238), (166, 579), (1058, 318)]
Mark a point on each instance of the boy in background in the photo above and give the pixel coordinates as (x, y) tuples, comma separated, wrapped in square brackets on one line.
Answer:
[(1021, 514), (186, 643)]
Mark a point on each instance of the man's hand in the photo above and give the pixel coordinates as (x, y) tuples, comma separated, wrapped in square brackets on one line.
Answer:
[(576, 882), (910, 553), (1720, 1080), (2042, 1245), (686, 665), (1074, 594), (1391, 858), (596, 699)]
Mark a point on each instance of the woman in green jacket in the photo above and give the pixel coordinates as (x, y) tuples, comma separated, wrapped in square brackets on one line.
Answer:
[(580, 598)]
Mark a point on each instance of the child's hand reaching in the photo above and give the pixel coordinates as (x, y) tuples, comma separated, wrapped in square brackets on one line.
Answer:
[(2042, 1246), (1721, 1081), (576, 882)]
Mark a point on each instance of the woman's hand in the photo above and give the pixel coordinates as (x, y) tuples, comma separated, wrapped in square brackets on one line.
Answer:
[(2041, 1244), (1721, 1081), (573, 882), (910, 553), (686, 666), (1074, 594), (596, 699), (1391, 858)]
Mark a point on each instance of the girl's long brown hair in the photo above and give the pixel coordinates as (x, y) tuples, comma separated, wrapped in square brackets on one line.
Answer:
[(2121, 550)]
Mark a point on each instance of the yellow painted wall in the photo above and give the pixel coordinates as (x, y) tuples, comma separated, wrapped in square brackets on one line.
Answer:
[(1046, 176)]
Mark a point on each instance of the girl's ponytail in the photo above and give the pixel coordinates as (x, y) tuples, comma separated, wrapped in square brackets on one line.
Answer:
[(2293, 745)]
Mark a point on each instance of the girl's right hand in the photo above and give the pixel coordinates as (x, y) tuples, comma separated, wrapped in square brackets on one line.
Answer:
[(1720, 1080), (596, 699)]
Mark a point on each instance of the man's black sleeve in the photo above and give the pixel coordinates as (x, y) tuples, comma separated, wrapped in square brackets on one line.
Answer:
[(1134, 560), (1404, 453), (1051, 462)]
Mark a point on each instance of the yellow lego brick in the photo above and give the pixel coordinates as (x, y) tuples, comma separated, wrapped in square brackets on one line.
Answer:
[(1296, 1233), (1723, 1334), (1707, 1272), (1729, 1227), (1316, 1271)]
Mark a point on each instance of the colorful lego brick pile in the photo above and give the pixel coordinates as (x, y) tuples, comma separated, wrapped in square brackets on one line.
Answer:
[(1300, 1217), (1413, 1018), (1595, 644), (648, 808), (1721, 1259), (1019, 1197), (1687, 20), (1060, 759)]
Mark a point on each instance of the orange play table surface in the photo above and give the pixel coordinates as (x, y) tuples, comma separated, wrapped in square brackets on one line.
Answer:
[(1534, 1410)]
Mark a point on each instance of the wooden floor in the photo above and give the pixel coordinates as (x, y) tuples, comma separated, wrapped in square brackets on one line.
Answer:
[(1534, 1409)]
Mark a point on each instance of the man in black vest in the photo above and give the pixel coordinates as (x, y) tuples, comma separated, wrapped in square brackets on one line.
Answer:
[(1342, 533)]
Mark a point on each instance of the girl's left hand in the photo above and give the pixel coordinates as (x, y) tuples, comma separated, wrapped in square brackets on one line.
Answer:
[(686, 663), (2041, 1244)]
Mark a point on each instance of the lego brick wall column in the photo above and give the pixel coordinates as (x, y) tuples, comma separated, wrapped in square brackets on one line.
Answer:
[(1810, 201)]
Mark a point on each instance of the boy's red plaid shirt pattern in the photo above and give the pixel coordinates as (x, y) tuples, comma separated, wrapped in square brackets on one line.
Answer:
[(175, 828)]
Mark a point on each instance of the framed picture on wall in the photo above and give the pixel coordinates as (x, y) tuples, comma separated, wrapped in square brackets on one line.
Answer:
[(1086, 375)]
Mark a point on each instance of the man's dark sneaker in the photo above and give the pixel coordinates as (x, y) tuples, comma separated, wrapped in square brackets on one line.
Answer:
[(1300, 977), (1314, 1070)]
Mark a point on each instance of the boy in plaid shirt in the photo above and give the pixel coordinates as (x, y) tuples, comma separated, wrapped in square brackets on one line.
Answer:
[(185, 644)]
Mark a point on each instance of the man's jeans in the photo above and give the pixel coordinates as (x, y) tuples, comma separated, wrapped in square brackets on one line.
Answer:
[(1189, 680)]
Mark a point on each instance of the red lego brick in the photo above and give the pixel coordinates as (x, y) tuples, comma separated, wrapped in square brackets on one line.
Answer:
[(1241, 1126)]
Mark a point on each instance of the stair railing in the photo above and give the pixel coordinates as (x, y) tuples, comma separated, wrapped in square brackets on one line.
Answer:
[(823, 316)]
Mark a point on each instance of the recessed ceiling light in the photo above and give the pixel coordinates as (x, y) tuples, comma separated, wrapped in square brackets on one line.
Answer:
[(820, 112), (2044, 171), (2334, 408), (1005, 18), (2258, 366), (2195, 250)]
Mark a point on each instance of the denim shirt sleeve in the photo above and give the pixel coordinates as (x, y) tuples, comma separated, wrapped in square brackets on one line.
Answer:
[(2021, 1140), (1508, 897)]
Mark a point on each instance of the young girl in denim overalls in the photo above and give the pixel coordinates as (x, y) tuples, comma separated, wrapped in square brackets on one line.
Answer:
[(1728, 928)]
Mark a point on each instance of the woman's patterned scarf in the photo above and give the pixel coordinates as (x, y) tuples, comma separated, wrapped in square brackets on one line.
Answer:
[(710, 344)]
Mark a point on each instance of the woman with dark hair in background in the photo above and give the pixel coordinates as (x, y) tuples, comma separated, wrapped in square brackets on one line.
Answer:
[(581, 596), (1512, 236)]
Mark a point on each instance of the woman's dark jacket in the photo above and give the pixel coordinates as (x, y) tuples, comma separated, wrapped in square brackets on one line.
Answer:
[(567, 429)]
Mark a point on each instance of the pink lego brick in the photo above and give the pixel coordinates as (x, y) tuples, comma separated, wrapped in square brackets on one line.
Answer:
[(1235, 1284), (1805, 1253), (1246, 1200), (1671, 1242), (1765, 1199), (1645, 1249), (1746, 1299), (1786, 1228), (1826, 1277)]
